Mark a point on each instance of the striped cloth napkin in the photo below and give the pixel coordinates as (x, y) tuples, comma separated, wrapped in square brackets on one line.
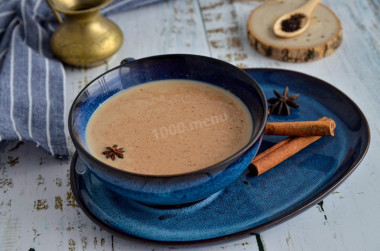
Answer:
[(32, 81)]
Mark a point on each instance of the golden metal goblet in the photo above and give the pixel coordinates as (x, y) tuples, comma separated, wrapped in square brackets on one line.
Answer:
[(85, 38)]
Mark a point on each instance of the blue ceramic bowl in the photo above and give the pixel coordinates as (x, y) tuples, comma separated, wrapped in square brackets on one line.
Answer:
[(170, 189)]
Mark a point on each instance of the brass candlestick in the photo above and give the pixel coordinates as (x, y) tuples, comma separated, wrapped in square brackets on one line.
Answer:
[(85, 38)]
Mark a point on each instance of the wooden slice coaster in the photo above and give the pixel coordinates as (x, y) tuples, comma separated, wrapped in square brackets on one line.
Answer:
[(321, 39)]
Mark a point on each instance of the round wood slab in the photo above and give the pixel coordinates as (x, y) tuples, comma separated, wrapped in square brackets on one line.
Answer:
[(321, 39)]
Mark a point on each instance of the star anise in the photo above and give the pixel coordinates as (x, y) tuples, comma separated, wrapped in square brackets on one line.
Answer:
[(113, 151), (281, 103)]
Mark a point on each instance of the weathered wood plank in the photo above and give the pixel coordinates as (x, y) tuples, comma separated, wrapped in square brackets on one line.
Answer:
[(169, 27), (223, 31)]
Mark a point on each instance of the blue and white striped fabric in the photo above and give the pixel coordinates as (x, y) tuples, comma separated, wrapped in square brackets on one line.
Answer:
[(32, 81)]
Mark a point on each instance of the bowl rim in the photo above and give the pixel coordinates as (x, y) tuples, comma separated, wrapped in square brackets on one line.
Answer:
[(253, 140)]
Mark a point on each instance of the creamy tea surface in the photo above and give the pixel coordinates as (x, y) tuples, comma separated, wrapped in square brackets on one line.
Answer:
[(169, 127)]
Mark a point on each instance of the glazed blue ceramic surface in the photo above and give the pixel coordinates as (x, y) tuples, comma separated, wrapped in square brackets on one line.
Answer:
[(175, 189), (250, 203)]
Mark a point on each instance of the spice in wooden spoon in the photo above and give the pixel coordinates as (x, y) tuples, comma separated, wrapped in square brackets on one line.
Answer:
[(295, 22)]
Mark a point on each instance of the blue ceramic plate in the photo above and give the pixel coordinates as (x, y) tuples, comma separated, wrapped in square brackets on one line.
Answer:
[(251, 203)]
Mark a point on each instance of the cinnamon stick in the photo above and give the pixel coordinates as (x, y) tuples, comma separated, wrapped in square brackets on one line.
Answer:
[(281, 151), (301, 129)]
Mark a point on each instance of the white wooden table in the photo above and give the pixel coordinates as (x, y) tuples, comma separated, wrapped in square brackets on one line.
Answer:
[(37, 209)]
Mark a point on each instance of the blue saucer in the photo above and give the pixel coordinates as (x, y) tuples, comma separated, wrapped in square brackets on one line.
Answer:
[(250, 203)]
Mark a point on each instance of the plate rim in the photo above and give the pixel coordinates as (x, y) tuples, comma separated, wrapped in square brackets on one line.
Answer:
[(257, 229)]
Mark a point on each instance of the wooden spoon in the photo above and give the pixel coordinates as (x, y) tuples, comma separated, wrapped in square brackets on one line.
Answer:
[(295, 22)]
